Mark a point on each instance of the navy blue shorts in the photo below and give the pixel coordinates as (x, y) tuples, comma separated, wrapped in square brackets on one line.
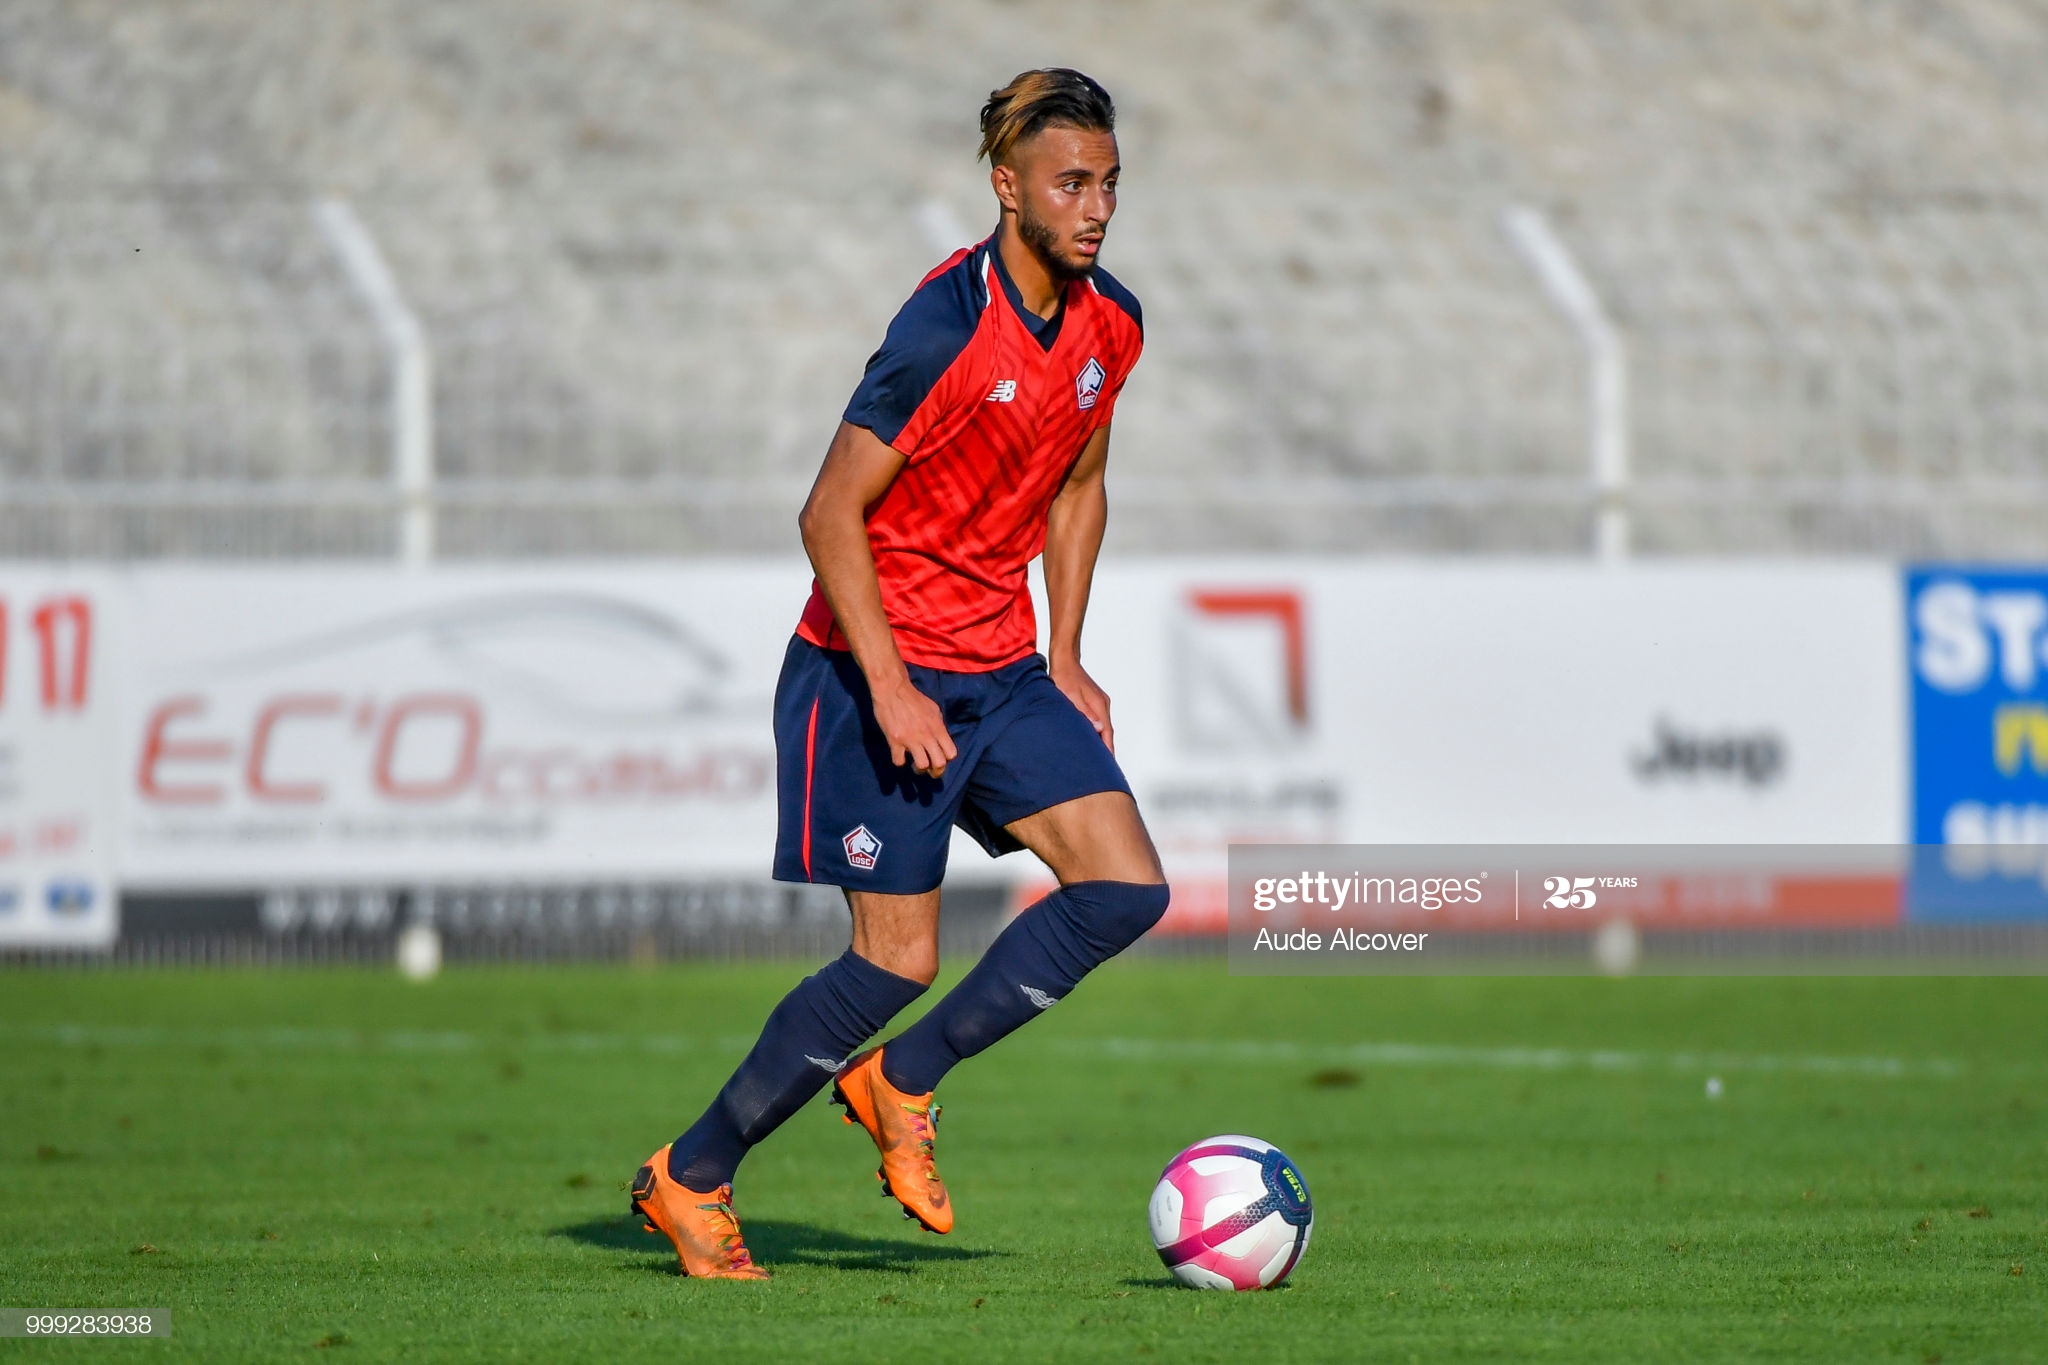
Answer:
[(852, 818)]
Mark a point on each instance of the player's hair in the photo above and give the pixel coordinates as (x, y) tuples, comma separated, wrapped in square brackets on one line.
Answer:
[(1051, 96)]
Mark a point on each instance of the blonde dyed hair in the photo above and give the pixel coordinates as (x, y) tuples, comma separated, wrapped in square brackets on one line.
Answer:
[(1052, 96)]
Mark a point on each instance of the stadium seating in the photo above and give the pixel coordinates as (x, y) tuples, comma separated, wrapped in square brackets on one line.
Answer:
[(651, 245)]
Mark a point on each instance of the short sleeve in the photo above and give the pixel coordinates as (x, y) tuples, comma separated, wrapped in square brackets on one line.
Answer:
[(1132, 341), (1105, 407), (903, 394), (1111, 288)]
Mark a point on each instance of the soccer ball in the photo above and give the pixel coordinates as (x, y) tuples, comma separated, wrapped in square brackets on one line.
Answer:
[(1231, 1212)]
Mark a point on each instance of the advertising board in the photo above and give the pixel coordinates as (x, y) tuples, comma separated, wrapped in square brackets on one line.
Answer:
[(1305, 701), (1978, 656), (59, 673), (506, 724), (198, 729)]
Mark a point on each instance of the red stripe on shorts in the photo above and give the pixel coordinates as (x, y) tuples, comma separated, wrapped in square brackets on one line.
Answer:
[(810, 767)]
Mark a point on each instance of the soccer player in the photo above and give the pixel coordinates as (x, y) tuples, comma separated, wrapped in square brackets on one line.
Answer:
[(913, 699)]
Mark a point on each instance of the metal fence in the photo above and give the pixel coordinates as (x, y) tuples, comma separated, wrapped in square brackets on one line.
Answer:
[(504, 922), (1775, 373)]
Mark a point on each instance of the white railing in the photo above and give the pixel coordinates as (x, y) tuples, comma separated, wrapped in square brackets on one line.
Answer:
[(1607, 372), (412, 374), (292, 385)]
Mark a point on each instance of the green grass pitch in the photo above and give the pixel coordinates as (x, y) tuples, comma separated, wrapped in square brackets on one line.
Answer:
[(338, 1165)]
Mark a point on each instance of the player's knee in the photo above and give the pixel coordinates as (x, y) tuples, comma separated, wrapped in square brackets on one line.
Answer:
[(1119, 913), (917, 961), (913, 955), (1147, 902)]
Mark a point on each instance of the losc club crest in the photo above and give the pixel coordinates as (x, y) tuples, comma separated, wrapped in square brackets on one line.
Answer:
[(1088, 384), (862, 848)]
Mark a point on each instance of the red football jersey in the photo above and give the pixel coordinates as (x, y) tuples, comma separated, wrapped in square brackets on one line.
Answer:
[(990, 406)]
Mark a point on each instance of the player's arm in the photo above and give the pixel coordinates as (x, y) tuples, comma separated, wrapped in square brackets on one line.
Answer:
[(858, 469), (1073, 538)]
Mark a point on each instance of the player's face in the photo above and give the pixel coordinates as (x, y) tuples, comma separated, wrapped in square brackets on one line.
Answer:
[(1064, 184)]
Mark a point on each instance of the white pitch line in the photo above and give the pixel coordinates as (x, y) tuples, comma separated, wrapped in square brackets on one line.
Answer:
[(1499, 1058), (1143, 1050), (357, 1040)]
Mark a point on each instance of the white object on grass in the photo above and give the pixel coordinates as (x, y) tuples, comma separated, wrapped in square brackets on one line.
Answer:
[(1617, 948), (419, 952)]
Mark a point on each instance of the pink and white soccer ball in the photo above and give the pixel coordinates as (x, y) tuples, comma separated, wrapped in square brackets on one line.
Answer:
[(1231, 1212)]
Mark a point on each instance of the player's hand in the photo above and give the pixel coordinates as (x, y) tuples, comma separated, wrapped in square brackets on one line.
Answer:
[(915, 730), (1092, 701)]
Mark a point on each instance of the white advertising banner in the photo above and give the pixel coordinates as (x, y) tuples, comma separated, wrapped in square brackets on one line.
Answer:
[(1513, 703), (251, 727), (320, 724), (59, 671)]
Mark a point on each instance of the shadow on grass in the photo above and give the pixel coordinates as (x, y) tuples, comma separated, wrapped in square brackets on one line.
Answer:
[(780, 1243), (1153, 1282), (1167, 1282)]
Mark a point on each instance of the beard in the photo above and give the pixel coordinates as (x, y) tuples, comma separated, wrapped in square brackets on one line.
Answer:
[(1044, 242)]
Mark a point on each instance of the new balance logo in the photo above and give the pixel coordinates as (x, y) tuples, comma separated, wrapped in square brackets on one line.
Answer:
[(1005, 391), (825, 1064), (1039, 997)]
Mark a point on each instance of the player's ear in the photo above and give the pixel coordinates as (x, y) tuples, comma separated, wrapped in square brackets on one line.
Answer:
[(1003, 181)]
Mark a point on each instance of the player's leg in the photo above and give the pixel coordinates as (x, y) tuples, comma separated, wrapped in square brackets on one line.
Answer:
[(811, 1032), (1092, 838), (685, 1189), (899, 934), (837, 825), (1111, 891), (903, 932), (847, 816)]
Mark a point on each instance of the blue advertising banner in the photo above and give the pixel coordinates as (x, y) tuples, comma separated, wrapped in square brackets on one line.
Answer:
[(1977, 642)]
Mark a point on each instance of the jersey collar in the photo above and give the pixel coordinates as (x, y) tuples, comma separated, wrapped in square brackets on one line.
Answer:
[(1045, 330)]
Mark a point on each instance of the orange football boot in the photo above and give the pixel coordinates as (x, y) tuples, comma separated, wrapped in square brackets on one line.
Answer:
[(702, 1226), (904, 1128)]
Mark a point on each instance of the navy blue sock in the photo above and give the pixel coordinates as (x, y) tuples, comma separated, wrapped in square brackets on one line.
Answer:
[(1032, 964), (807, 1038)]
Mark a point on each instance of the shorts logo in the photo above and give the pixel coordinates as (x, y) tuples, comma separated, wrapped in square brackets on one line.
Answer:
[(1088, 384), (862, 848), (1005, 391), (1038, 997)]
